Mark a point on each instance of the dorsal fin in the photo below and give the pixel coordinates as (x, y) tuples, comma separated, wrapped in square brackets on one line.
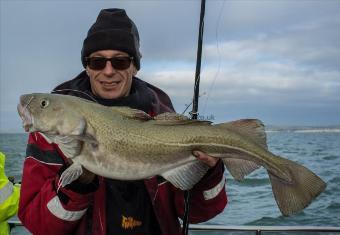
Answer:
[(132, 113), (170, 116), (169, 119), (251, 128)]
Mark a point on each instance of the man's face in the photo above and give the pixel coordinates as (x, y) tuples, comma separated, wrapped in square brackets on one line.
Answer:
[(110, 83)]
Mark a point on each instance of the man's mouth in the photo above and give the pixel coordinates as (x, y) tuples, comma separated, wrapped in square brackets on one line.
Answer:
[(110, 84)]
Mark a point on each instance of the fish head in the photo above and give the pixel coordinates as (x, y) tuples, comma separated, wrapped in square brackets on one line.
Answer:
[(49, 113)]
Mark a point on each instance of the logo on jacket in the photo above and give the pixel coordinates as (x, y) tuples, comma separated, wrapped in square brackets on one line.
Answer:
[(130, 222)]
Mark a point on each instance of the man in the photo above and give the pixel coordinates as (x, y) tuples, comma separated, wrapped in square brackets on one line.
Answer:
[(97, 205), (9, 198)]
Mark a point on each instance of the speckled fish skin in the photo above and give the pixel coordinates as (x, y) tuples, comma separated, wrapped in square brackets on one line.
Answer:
[(126, 144)]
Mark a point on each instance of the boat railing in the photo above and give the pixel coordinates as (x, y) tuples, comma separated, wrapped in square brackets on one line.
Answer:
[(258, 230)]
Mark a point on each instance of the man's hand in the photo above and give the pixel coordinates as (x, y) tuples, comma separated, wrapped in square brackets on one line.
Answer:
[(87, 176), (207, 159)]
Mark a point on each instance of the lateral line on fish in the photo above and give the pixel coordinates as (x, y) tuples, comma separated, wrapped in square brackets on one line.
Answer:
[(177, 144)]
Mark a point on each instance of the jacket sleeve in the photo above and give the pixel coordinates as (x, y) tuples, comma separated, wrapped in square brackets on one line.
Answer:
[(208, 196), (9, 205), (9, 194), (41, 209)]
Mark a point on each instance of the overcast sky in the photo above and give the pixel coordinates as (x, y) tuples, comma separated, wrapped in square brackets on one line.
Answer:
[(278, 61)]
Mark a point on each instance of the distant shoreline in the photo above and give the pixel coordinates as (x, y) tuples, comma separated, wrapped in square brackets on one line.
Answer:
[(303, 129)]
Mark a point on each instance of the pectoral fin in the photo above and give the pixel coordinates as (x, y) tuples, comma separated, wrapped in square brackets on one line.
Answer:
[(68, 145), (186, 176), (70, 174), (71, 145)]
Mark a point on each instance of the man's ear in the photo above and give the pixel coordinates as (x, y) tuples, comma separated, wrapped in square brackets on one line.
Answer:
[(134, 70)]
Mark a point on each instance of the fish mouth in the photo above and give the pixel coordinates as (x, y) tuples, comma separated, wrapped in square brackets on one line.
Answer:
[(26, 117)]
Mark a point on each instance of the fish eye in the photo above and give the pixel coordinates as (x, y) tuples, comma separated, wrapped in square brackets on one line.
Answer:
[(44, 103)]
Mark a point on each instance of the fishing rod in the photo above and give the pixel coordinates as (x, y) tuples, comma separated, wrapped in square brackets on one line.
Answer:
[(194, 111), (188, 105)]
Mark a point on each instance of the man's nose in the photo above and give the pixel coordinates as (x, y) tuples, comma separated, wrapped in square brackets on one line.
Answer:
[(108, 70)]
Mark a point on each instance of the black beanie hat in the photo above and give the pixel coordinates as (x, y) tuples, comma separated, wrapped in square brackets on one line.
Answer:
[(113, 30)]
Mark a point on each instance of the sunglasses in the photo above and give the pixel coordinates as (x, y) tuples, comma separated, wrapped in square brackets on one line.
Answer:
[(99, 63)]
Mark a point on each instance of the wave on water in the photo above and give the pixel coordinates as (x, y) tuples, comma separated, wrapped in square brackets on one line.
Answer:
[(335, 206), (330, 157), (267, 221), (335, 181)]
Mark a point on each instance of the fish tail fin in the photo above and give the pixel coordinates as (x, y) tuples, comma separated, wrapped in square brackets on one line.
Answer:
[(293, 196)]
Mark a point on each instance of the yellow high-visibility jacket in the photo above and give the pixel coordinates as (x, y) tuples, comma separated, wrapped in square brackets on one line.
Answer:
[(9, 198)]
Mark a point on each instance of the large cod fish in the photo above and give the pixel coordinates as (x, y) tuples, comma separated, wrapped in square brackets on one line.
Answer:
[(127, 144)]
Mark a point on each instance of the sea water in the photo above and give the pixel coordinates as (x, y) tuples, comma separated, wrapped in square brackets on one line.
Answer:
[(251, 202)]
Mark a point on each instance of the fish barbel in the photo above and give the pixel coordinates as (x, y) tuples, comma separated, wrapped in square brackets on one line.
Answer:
[(127, 144)]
